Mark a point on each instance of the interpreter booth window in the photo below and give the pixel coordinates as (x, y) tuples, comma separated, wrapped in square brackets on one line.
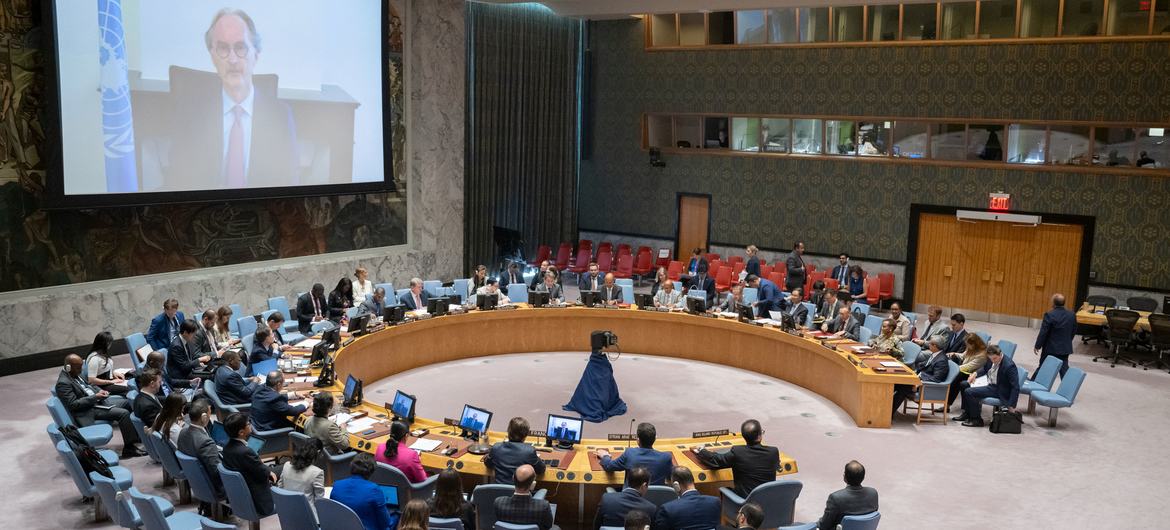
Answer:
[(997, 19), (782, 26), (883, 22), (1152, 148), (658, 131), (919, 21), (776, 135), (814, 24), (806, 136), (840, 137), (721, 27), (688, 131), (958, 21), (663, 31), (849, 23), (715, 133), (873, 138), (1082, 18), (910, 139), (1114, 146), (745, 134), (985, 142), (1128, 17), (1026, 144), (948, 141), (1068, 145), (750, 28), (692, 29), (1039, 18)]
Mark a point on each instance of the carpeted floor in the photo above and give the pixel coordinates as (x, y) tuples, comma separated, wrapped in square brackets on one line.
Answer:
[(1099, 468)]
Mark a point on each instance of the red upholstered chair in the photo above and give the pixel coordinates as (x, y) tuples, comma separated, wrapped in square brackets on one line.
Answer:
[(605, 246), (585, 243), (674, 270), (564, 253), (809, 268), (625, 267), (723, 279), (663, 262), (713, 266), (777, 278), (604, 259), (711, 256), (582, 263), (832, 284), (642, 265), (642, 249), (735, 259), (809, 280), (763, 262), (885, 286), (624, 249), (737, 267), (765, 271), (871, 291), (542, 253)]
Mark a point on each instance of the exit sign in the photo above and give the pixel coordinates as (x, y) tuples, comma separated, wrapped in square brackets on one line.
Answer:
[(999, 201)]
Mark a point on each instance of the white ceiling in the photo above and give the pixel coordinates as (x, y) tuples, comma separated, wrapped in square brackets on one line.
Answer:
[(600, 9)]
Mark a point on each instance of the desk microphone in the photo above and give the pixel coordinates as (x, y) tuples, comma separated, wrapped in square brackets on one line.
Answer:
[(630, 434)]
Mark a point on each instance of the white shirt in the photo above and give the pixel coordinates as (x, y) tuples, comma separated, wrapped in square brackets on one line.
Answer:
[(361, 290), (503, 298), (245, 121)]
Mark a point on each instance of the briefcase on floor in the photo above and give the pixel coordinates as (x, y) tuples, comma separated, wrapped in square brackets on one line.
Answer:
[(1004, 421)]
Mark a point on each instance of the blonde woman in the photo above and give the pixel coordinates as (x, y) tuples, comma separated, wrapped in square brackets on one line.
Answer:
[(362, 286)]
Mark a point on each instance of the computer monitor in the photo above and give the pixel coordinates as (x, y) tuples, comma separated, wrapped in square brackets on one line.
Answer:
[(643, 300), (438, 305), (403, 406), (394, 314), (487, 302), (565, 430), (696, 305), (357, 325), (745, 312), (589, 298), (320, 352), (538, 298), (351, 386), (474, 420), (332, 337)]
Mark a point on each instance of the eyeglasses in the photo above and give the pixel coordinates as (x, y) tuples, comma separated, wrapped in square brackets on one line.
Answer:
[(222, 49)]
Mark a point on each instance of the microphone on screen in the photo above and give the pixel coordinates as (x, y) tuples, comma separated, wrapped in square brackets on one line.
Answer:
[(630, 434)]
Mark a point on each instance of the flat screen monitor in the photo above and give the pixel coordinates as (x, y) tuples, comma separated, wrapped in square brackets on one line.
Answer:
[(486, 302), (320, 353), (350, 387), (403, 406), (475, 419), (745, 312), (357, 325), (438, 305), (394, 314), (332, 337), (564, 429), (538, 298), (643, 300), (696, 305), (589, 298)]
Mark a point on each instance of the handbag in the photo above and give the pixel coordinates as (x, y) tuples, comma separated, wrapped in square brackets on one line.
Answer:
[(1004, 421)]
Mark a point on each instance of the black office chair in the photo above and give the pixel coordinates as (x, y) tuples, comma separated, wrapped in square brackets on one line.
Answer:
[(1120, 327), (1090, 332), (1159, 339), (1142, 303)]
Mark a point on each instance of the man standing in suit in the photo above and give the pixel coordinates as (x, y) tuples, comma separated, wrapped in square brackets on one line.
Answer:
[(195, 442), (842, 326), (374, 304), (414, 299), (230, 385), (768, 294), (957, 339), (794, 308), (751, 464), (147, 404), (521, 508), (232, 132), (855, 499), (616, 505), (691, 510), (87, 404), (270, 406), (1056, 334), (311, 307), (506, 456), (841, 271), (795, 266), (704, 282), (590, 281), (1003, 383), (165, 326), (657, 463), (935, 327), (237, 456), (549, 285), (183, 356), (611, 294), (933, 370)]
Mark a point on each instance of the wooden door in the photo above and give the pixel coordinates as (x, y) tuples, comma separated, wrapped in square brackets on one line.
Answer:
[(694, 214)]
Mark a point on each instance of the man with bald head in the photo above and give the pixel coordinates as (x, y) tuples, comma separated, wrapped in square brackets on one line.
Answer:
[(1056, 334), (521, 507), (611, 294), (232, 131), (855, 499), (88, 404)]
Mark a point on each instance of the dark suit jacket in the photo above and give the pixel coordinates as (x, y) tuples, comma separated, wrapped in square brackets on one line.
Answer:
[(338, 304), (1007, 380), (146, 407), (798, 311), (372, 306), (841, 274), (585, 281), (231, 387), (505, 457), (850, 327), (829, 312), (796, 273), (203, 342), (706, 284), (407, 299), (195, 442), (934, 370), (305, 312), (657, 462), (691, 511), (158, 335), (237, 456), (509, 278), (72, 394), (614, 506), (1057, 331), (611, 293), (554, 294), (198, 154), (260, 354), (182, 358), (752, 266), (751, 465), (271, 410), (853, 500), (770, 298), (524, 509), (956, 343), (366, 499)]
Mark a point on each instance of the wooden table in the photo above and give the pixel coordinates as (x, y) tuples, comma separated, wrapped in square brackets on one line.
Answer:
[(1097, 318)]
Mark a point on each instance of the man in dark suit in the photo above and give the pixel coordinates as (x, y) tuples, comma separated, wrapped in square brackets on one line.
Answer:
[(615, 505), (704, 282), (751, 465), (230, 385), (795, 265), (1003, 383), (184, 356), (311, 307), (147, 404), (563, 432), (831, 304), (275, 323), (89, 404), (768, 294), (232, 131), (611, 293), (414, 299), (158, 361), (556, 295), (195, 442), (841, 271), (794, 308), (270, 406), (696, 258), (590, 281), (374, 304), (203, 341), (957, 340), (657, 463), (750, 515), (506, 456), (855, 499), (933, 370), (1056, 334), (512, 275), (844, 325), (237, 456), (521, 507), (691, 510), (165, 326)]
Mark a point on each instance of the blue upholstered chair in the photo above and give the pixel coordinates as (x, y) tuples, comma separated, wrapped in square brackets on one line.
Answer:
[(55, 436), (277, 442), (913, 317), (117, 502), (336, 466), (122, 477), (208, 524), (695, 293), (984, 335), (624, 281), (812, 313), (96, 435), (390, 476), (222, 409), (433, 288), (751, 294), (246, 326), (388, 287), (293, 510), (778, 495), (1065, 395), (147, 444), (280, 303), (240, 498), (1045, 378), (172, 470), (1008, 348), (874, 323), (518, 293), (201, 486), (484, 496), (500, 525), (340, 516), (910, 353), (247, 342), (353, 312), (134, 341), (859, 307), (446, 523), (659, 494), (627, 293), (460, 287), (930, 394), (264, 317), (864, 334), (867, 521), (150, 508), (1021, 374), (233, 321)]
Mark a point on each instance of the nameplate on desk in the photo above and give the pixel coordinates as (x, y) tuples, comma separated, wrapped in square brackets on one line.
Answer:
[(620, 437), (708, 434), (537, 434), (450, 422)]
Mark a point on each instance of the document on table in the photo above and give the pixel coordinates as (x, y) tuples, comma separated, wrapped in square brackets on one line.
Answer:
[(360, 424), (340, 417), (425, 445), (308, 343), (979, 381), (891, 364)]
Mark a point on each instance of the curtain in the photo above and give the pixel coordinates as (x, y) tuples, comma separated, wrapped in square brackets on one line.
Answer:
[(523, 85)]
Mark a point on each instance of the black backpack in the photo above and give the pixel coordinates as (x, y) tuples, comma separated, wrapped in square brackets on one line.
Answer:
[(90, 458)]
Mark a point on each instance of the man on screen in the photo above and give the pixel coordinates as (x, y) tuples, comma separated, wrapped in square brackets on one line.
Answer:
[(232, 131), (563, 432)]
